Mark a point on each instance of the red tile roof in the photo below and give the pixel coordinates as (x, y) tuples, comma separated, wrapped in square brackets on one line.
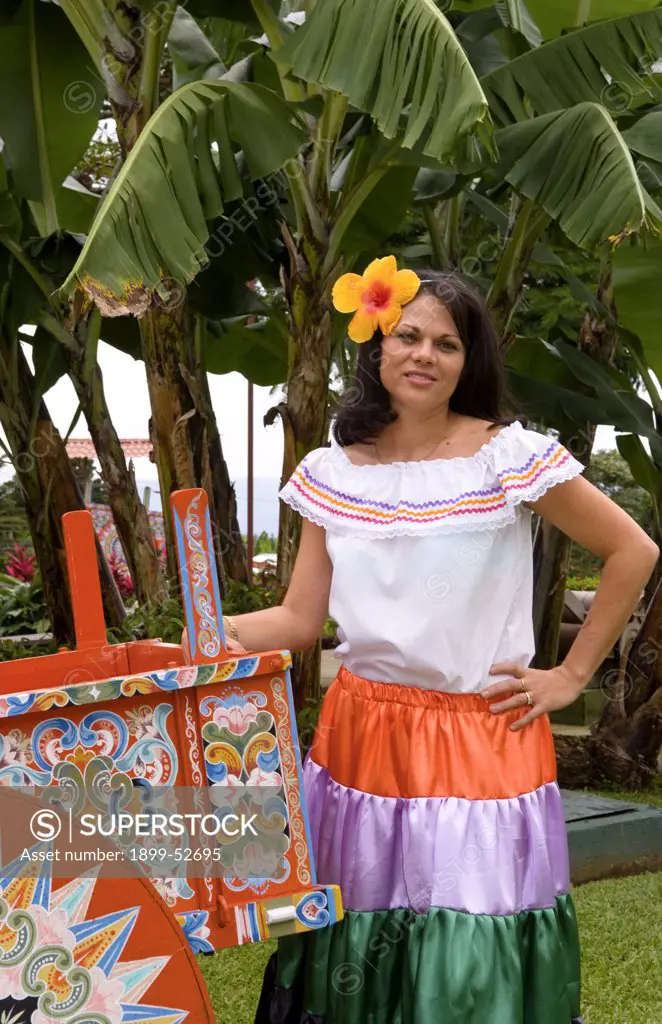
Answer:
[(83, 448)]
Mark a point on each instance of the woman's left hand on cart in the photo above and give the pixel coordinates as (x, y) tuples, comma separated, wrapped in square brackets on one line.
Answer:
[(550, 690)]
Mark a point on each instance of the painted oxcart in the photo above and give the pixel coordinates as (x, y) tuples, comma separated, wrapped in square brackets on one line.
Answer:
[(138, 718)]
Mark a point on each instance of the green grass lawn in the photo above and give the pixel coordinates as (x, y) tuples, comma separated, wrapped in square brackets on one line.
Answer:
[(645, 796), (620, 923), (621, 932), (234, 980)]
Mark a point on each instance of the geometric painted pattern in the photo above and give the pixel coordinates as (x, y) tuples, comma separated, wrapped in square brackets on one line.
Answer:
[(61, 963)]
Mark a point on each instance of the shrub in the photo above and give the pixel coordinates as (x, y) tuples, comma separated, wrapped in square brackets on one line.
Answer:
[(307, 722), (164, 621), (22, 607), (12, 651), (583, 582), (241, 598), (20, 563)]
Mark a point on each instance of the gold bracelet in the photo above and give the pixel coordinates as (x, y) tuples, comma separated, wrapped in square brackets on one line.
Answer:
[(231, 628)]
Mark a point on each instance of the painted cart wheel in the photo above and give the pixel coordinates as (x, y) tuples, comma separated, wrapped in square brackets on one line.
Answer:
[(93, 950)]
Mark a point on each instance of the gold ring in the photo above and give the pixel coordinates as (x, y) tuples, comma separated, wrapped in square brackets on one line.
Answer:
[(529, 698)]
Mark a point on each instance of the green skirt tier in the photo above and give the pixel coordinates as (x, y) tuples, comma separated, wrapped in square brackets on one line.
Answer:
[(446, 967)]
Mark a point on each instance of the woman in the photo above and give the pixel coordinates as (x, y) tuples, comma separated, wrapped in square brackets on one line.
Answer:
[(431, 782)]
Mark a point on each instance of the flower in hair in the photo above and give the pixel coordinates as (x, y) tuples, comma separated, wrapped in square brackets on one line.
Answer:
[(376, 297)]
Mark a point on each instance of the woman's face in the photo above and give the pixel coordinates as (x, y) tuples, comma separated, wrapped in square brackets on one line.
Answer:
[(421, 361)]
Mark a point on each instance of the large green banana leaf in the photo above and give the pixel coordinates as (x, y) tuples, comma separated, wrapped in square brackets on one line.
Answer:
[(575, 165), (559, 374), (192, 54), (153, 226), (516, 15), (637, 279), (645, 136), (232, 10), (542, 400), (258, 351), (622, 407), (556, 16), (604, 62), (644, 470), (382, 213), (49, 106), (400, 61)]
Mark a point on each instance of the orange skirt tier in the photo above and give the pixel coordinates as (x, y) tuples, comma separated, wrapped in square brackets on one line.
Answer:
[(399, 741)]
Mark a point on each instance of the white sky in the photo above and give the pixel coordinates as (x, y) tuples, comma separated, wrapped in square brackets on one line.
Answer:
[(125, 386)]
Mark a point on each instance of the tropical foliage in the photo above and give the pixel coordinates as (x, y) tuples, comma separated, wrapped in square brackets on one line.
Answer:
[(23, 610)]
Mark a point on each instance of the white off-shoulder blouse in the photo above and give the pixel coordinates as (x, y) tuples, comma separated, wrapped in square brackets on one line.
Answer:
[(432, 561)]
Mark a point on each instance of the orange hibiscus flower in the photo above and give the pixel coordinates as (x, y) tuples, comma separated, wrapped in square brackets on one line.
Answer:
[(376, 297)]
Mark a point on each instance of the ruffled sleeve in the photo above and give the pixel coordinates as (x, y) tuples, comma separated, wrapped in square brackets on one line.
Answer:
[(530, 462), (309, 488)]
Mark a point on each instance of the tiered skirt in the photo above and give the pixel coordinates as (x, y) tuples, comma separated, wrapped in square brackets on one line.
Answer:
[(445, 831)]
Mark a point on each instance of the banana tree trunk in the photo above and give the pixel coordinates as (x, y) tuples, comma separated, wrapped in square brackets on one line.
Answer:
[(551, 562), (305, 424), (49, 490), (185, 438), (624, 746), (183, 429), (129, 513), (551, 558)]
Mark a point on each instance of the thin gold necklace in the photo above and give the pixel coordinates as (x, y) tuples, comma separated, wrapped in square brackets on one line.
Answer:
[(424, 459)]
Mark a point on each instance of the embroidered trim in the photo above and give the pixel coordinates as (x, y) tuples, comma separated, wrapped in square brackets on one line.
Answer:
[(487, 509), (348, 506), (567, 470), (526, 477), (366, 528)]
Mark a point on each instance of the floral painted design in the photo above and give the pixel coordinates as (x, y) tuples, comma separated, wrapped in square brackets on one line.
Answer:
[(235, 714), (242, 761), (14, 753)]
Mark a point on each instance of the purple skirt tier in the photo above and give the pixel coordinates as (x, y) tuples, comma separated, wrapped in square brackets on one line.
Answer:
[(479, 856)]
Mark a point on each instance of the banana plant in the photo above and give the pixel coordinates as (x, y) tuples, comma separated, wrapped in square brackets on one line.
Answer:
[(596, 80), (562, 143), (34, 447), (202, 144), (636, 293), (49, 110)]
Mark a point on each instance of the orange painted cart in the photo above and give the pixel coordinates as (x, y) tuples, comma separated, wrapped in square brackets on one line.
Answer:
[(150, 715)]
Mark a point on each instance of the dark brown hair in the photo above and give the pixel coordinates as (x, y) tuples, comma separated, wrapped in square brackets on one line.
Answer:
[(365, 408)]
